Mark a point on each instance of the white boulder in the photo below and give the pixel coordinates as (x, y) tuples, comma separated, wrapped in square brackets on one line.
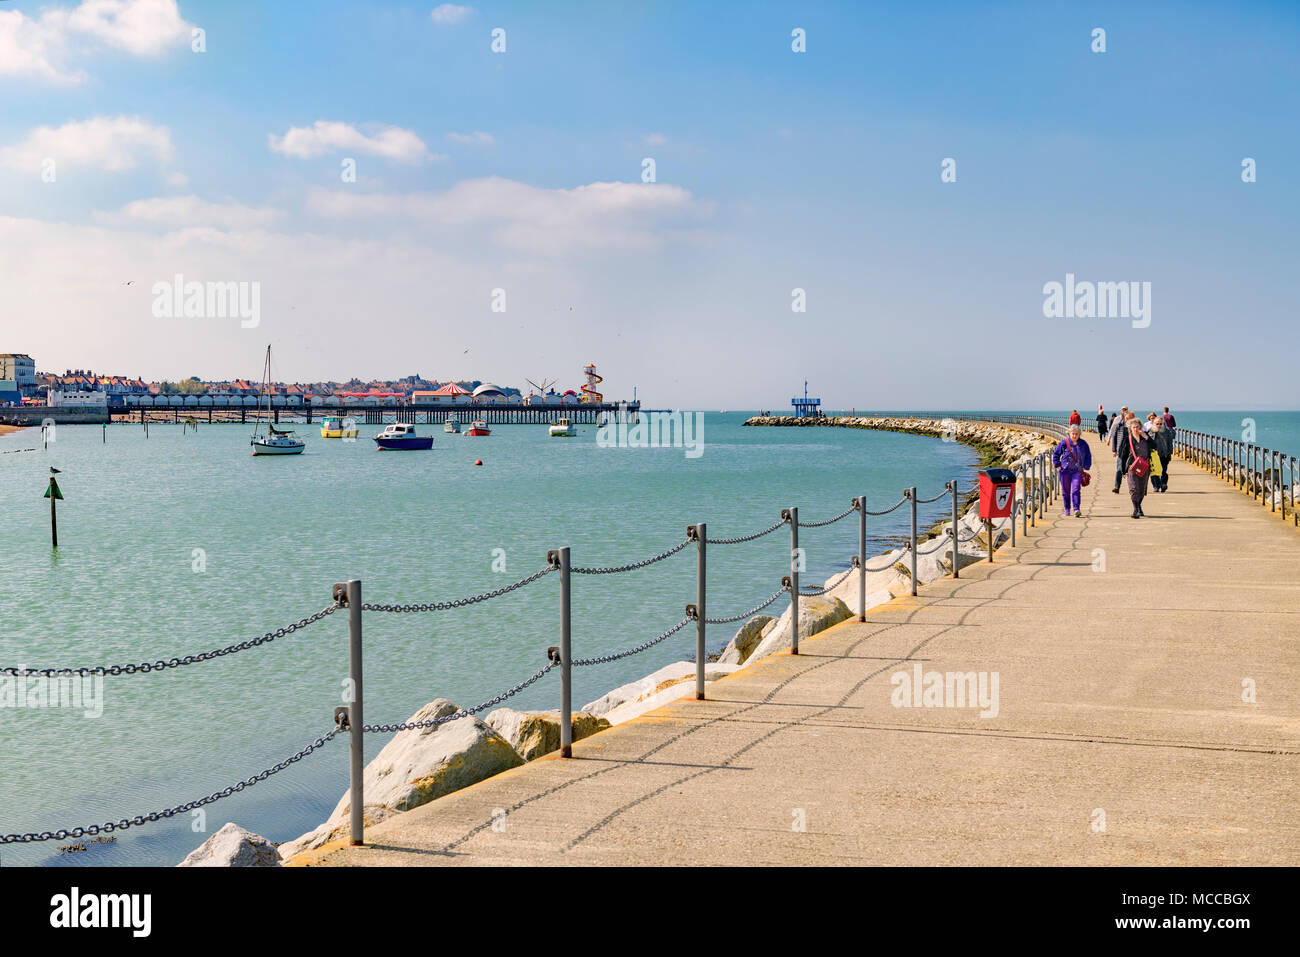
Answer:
[(233, 846)]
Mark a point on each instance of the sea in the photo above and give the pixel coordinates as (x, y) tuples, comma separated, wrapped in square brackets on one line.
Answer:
[(178, 541)]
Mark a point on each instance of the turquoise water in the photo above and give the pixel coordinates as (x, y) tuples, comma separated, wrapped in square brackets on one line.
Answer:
[(276, 533)]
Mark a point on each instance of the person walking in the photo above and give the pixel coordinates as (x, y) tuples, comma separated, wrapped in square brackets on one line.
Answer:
[(1170, 424), (1162, 440), (1118, 425), (1103, 426), (1075, 419), (1135, 459), (1072, 458)]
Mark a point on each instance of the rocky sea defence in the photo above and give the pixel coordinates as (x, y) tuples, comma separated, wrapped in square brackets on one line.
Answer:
[(422, 764)]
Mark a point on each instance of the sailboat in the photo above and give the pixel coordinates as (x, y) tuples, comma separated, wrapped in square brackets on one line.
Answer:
[(276, 441)]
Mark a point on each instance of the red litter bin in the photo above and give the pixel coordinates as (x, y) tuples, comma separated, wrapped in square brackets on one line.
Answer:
[(997, 492)]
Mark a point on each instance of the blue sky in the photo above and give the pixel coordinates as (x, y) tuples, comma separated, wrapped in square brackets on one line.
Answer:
[(775, 170)]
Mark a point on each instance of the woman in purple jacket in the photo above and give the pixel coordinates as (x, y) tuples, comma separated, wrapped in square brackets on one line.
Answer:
[(1072, 458)]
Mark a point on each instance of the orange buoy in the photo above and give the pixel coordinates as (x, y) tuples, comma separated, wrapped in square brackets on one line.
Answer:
[(478, 461)]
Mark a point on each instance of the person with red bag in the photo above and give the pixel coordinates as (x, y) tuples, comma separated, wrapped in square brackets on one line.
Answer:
[(1072, 458), (1134, 452)]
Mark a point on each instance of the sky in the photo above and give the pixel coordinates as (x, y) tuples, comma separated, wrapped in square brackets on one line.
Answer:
[(921, 172)]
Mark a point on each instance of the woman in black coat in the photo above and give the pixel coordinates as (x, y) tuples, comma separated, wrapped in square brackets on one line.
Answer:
[(1103, 424), (1133, 446)]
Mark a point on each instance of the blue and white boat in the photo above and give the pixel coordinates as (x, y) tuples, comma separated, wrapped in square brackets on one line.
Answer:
[(401, 435)]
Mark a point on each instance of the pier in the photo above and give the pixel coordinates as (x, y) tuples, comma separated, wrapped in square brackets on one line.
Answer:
[(1149, 682), (496, 413)]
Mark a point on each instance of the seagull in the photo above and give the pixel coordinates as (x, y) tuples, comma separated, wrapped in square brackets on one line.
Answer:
[(129, 282), (54, 471)]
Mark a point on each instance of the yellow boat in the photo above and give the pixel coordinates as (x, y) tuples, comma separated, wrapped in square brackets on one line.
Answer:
[(333, 427)]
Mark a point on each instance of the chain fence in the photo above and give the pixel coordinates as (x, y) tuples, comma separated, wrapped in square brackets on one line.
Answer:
[(748, 538), (463, 712), (645, 562), (748, 614), (163, 664), (78, 832), (462, 602), (830, 521)]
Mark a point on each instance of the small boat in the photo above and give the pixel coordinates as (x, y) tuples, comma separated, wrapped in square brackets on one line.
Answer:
[(562, 429), (479, 428), (334, 427), (400, 435), (276, 441), (452, 425)]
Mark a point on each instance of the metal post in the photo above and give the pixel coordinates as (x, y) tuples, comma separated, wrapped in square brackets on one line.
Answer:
[(956, 537), (911, 495), (1024, 500), (1033, 499), (699, 610), (566, 666), (1276, 476), (357, 765), (1013, 515), (861, 503), (793, 513)]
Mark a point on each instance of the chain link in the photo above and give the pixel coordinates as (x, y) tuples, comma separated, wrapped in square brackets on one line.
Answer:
[(749, 614), (943, 540), (161, 664), (821, 591), (78, 832), (605, 659), (613, 570), (830, 521), (926, 501), (462, 602), (888, 510), (463, 712), (748, 538)]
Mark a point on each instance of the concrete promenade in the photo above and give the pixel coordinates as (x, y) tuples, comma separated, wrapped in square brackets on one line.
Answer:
[(1121, 734)]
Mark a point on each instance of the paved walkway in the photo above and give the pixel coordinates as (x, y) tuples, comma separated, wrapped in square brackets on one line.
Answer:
[(1121, 735)]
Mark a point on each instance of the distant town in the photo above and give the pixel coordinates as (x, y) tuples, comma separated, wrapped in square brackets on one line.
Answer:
[(22, 385)]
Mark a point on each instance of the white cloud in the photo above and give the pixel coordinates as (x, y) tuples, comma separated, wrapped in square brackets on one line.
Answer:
[(323, 136), (445, 14), (110, 143), (26, 49), (190, 212), (654, 139), (477, 138), (140, 27), (43, 46), (550, 221)]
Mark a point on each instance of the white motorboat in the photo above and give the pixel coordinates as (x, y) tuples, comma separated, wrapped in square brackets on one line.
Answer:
[(562, 429), (452, 425)]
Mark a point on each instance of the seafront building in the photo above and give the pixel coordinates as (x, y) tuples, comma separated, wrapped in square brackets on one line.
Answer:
[(17, 377)]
